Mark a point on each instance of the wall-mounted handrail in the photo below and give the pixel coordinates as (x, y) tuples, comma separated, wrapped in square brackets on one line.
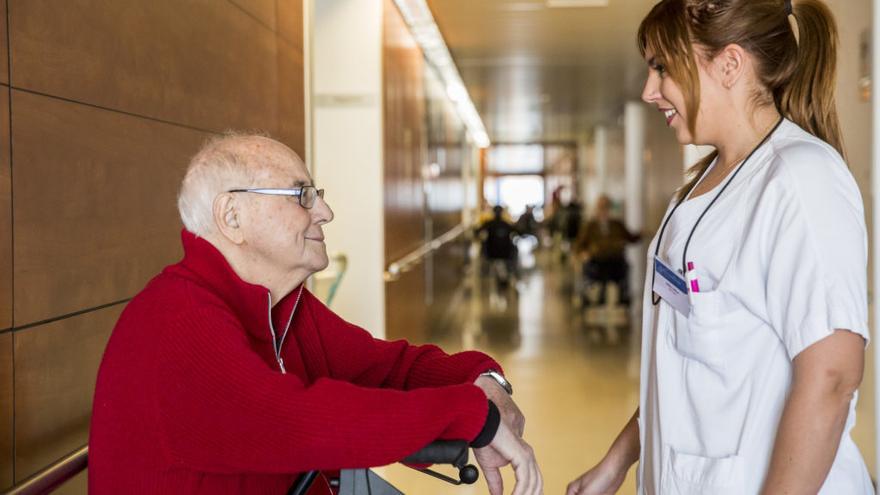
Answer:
[(405, 263), (325, 283), (54, 475)]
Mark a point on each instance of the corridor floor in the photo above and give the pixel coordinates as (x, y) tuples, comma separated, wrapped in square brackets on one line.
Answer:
[(575, 387), (576, 382)]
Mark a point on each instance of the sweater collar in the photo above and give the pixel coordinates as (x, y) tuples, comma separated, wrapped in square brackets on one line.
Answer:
[(249, 302)]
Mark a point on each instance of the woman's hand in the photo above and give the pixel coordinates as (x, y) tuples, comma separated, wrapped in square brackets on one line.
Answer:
[(608, 475), (603, 479)]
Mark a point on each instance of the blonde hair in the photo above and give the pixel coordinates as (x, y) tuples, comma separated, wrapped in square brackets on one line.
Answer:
[(798, 71)]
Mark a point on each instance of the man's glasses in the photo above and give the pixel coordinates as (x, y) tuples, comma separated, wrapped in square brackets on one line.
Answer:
[(307, 194)]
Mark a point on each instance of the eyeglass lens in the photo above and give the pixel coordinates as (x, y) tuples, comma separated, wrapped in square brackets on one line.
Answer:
[(309, 195)]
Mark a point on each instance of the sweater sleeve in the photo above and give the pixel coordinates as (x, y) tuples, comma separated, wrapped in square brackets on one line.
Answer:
[(352, 354), (223, 410)]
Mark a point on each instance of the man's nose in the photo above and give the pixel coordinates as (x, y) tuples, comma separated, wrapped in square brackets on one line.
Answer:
[(321, 212)]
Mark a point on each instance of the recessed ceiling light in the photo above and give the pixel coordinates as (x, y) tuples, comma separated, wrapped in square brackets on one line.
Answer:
[(576, 3), (421, 23), (522, 6)]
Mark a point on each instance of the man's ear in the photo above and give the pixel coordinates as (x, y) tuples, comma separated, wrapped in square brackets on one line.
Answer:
[(226, 217)]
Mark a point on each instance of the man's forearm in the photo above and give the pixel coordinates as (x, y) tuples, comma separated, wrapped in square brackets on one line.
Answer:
[(807, 441), (429, 366)]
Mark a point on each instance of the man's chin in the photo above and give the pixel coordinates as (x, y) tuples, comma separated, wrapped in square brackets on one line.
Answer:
[(322, 261), (322, 265)]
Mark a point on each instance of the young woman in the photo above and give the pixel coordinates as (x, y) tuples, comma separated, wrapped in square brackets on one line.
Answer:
[(755, 308)]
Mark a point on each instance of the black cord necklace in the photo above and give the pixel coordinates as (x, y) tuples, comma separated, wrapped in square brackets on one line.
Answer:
[(655, 300)]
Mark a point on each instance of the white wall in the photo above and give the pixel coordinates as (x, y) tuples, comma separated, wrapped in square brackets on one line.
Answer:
[(347, 148)]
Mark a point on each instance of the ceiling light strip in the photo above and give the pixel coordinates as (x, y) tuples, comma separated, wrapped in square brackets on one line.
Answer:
[(421, 23)]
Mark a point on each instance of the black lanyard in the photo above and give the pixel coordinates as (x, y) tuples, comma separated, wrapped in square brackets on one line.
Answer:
[(655, 300)]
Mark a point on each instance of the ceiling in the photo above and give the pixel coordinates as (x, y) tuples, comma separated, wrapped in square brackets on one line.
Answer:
[(539, 74)]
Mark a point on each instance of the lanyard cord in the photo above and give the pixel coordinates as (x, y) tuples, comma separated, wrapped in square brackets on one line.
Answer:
[(655, 300)]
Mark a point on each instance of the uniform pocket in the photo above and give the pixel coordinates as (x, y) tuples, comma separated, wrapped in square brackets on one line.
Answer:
[(712, 331), (687, 474)]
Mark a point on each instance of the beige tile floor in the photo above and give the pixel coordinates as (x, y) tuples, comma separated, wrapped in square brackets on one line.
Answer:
[(576, 383)]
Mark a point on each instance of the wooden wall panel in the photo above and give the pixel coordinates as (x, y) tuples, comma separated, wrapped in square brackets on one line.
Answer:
[(5, 214), (405, 310), (203, 63), (93, 196), (262, 10), (291, 93), (6, 427), (421, 129), (290, 22), (95, 211), (4, 47), (450, 263), (446, 145), (55, 370), (404, 123)]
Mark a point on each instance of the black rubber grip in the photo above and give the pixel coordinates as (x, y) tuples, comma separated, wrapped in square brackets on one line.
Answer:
[(453, 452)]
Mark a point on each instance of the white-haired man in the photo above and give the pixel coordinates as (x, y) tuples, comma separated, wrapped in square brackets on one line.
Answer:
[(225, 375)]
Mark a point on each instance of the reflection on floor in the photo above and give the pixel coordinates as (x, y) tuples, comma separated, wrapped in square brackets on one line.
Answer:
[(576, 381)]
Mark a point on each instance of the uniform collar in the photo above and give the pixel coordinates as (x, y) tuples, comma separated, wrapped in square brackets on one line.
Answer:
[(249, 302)]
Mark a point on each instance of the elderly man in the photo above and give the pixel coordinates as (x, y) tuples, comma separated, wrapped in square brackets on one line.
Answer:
[(226, 376)]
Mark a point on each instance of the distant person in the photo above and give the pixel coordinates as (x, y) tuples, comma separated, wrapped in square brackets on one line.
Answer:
[(571, 224), (601, 245), (555, 213), (527, 224), (487, 213), (498, 240), (225, 375)]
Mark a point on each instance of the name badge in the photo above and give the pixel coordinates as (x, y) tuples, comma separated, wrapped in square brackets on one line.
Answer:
[(671, 286)]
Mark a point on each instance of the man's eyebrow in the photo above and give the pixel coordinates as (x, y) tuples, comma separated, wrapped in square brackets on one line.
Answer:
[(302, 183)]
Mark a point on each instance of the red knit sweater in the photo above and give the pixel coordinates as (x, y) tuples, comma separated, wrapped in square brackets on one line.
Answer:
[(190, 397)]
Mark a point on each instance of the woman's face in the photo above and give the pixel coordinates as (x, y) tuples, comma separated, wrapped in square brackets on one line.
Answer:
[(665, 94)]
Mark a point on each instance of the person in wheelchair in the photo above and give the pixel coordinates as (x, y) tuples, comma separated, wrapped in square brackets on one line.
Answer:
[(527, 224), (601, 245), (498, 241), (225, 375)]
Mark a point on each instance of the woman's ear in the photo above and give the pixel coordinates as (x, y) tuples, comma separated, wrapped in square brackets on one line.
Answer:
[(731, 63)]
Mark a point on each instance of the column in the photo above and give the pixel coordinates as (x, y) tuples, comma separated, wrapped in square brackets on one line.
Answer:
[(347, 148), (634, 206)]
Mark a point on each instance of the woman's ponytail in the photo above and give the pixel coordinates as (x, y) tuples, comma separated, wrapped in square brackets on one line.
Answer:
[(807, 98)]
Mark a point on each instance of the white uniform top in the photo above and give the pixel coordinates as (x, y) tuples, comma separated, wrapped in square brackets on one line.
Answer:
[(781, 259)]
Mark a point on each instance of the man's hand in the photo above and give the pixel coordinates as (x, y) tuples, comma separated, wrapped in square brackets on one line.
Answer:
[(507, 448), (510, 413)]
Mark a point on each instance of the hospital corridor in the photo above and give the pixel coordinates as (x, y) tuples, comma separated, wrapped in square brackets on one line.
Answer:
[(647, 235)]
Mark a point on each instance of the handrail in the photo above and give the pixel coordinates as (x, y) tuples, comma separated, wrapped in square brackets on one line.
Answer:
[(405, 263), (342, 263), (54, 475)]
